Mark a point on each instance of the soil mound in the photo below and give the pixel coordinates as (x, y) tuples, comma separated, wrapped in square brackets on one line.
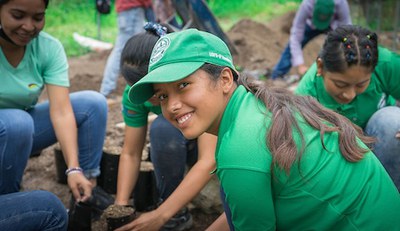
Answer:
[(260, 45)]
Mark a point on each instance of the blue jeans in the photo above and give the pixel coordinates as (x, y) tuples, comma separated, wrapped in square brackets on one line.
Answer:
[(170, 152), (34, 210), (149, 14), (25, 132), (285, 62), (383, 125), (227, 210), (130, 22)]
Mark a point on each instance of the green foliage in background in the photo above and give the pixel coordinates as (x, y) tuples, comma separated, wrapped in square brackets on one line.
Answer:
[(377, 15), (64, 17), (230, 12)]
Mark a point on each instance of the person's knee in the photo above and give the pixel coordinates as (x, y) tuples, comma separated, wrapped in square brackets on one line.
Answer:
[(94, 97), (52, 203), (17, 123), (94, 101), (391, 112), (385, 121), (42, 196), (162, 129), (166, 141), (99, 101), (384, 125)]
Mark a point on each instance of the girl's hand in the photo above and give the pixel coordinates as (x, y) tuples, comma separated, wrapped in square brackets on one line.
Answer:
[(398, 135), (302, 69), (80, 186), (150, 221)]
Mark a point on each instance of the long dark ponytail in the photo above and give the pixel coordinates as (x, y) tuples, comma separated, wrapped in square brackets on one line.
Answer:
[(284, 105)]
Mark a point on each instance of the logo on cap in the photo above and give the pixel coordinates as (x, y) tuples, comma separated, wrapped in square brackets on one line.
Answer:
[(159, 50)]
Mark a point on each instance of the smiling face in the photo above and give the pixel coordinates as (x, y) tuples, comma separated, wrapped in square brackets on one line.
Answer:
[(196, 103), (344, 87), (22, 20)]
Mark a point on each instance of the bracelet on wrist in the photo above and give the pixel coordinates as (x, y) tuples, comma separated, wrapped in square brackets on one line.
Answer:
[(73, 170)]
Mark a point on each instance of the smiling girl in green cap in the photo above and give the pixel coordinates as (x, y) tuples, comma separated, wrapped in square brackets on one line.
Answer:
[(284, 161)]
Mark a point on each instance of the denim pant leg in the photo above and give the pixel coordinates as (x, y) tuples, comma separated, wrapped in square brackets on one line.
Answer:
[(170, 152), (383, 125), (34, 210), (227, 210), (149, 14), (16, 137), (130, 22), (90, 110), (285, 62)]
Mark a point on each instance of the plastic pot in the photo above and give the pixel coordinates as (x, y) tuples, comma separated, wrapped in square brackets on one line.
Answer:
[(60, 166), (145, 195), (116, 222), (117, 216), (80, 217), (109, 172)]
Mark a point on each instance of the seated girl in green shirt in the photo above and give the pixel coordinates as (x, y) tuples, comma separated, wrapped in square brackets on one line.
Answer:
[(284, 161), (361, 81)]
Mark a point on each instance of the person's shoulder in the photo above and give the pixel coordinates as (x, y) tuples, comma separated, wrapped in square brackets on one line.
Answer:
[(125, 97), (386, 55), (45, 40), (128, 104), (387, 67), (46, 47), (307, 4), (305, 10), (384, 51)]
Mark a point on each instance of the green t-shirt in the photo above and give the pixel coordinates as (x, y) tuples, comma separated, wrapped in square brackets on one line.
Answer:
[(44, 62), (330, 193), (382, 91), (135, 115)]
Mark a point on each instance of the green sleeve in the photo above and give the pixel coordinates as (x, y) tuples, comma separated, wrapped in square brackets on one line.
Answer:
[(388, 71), (54, 62), (134, 115), (249, 196)]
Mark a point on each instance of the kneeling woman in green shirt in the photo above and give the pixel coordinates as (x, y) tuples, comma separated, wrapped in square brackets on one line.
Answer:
[(284, 161), (358, 79)]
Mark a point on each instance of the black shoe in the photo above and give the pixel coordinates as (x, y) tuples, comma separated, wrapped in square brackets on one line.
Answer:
[(181, 221)]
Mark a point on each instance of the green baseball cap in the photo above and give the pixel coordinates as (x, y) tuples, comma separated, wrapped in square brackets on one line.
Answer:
[(323, 13), (177, 55)]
